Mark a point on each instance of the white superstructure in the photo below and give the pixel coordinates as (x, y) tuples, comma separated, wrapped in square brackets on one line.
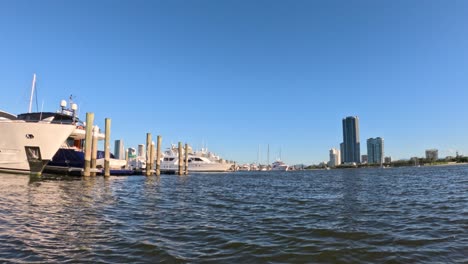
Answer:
[(245, 167), (279, 166)]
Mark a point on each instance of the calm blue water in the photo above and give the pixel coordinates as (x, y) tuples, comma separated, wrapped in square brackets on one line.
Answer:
[(398, 215)]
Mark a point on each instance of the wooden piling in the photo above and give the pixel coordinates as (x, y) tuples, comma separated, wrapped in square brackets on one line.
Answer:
[(180, 159), (148, 154), (186, 159), (158, 156), (153, 157), (107, 149), (152, 154), (88, 143), (126, 158), (94, 149)]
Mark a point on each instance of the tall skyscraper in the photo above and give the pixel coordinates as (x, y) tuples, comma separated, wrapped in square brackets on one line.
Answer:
[(119, 151), (335, 158), (351, 143), (375, 150), (141, 150)]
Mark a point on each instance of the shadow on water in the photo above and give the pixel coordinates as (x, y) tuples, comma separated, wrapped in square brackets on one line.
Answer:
[(53, 177)]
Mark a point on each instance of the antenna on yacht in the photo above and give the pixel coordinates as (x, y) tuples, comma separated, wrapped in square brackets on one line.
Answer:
[(258, 154), (33, 86), (73, 106)]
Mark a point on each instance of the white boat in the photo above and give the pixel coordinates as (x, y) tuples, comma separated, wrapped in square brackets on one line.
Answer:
[(253, 167), (197, 162), (245, 167), (278, 165), (29, 141)]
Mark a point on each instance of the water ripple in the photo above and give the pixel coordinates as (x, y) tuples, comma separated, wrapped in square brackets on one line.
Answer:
[(401, 215)]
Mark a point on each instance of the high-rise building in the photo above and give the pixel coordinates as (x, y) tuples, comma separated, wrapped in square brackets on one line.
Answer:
[(375, 150), (141, 150), (119, 151), (335, 158), (351, 144), (432, 154)]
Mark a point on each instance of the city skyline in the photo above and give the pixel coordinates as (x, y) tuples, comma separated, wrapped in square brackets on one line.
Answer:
[(235, 75)]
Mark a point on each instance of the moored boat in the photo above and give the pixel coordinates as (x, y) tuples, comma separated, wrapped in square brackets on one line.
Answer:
[(278, 165), (197, 162), (29, 141), (245, 167)]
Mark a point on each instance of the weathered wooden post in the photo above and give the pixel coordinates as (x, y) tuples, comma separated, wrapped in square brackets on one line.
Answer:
[(186, 159), (180, 158), (88, 143), (158, 156), (148, 154), (126, 159), (153, 157), (94, 150), (107, 149)]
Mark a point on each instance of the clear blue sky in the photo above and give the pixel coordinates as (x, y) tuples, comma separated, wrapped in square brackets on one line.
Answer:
[(239, 74)]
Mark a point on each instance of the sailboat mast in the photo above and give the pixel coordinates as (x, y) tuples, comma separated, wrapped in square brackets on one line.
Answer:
[(32, 92), (268, 155), (258, 154)]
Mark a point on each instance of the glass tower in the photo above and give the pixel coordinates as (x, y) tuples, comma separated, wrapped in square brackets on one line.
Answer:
[(375, 150), (351, 144)]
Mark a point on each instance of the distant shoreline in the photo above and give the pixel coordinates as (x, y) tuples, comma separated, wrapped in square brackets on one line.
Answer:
[(447, 164), (388, 167)]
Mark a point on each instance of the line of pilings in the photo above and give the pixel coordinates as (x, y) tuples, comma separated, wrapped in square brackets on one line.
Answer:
[(153, 151)]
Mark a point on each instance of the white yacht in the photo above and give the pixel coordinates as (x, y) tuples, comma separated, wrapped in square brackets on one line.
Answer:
[(29, 141), (262, 167), (197, 162), (279, 166), (253, 167), (245, 167)]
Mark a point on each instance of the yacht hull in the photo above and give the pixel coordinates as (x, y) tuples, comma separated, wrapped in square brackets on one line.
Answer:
[(280, 168), (26, 147), (202, 167)]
